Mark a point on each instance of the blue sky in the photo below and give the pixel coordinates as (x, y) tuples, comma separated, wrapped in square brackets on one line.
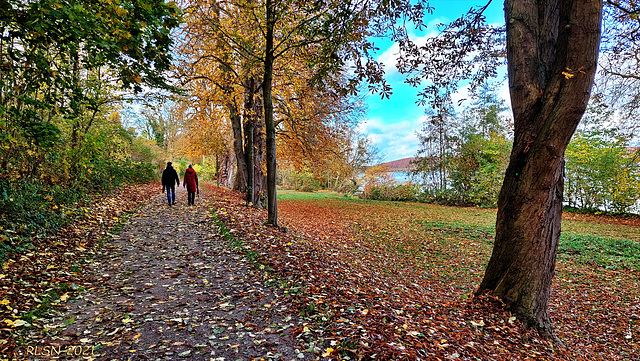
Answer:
[(392, 123)]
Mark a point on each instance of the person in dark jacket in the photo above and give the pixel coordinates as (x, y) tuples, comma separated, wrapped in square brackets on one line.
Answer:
[(191, 182), (169, 180)]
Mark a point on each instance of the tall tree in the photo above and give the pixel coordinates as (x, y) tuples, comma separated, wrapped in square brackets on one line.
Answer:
[(552, 52), (254, 140), (436, 142), (220, 64), (267, 82), (321, 33), (64, 60), (325, 36)]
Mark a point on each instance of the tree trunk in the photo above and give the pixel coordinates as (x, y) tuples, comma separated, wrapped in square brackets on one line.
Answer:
[(272, 205), (552, 50), (254, 142), (249, 125), (240, 182), (258, 142), (223, 171)]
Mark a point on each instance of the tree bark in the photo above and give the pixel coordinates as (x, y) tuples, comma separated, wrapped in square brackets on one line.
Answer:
[(552, 50), (272, 205), (240, 182), (249, 125), (254, 142), (258, 143)]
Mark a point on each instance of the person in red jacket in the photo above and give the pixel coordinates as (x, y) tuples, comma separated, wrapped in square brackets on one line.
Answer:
[(191, 182)]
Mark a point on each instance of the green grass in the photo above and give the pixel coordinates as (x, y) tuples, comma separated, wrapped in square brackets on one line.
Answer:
[(610, 246), (479, 231), (610, 253), (606, 230), (591, 243), (309, 196)]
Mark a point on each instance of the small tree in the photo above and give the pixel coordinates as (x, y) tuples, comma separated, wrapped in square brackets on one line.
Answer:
[(436, 138), (600, 172), (482, 152), (478, 168)]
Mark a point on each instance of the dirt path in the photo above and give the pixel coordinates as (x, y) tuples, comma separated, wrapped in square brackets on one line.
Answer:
[(169, 287)]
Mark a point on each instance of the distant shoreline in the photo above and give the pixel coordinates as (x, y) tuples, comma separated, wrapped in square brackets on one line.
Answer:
[(400, 165)]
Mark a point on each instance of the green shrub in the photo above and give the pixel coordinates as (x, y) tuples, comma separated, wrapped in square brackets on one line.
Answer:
[(33, 208), (399, 192), (600, 174), (30, 209), (300, 181), (106, 174), (478, 169)]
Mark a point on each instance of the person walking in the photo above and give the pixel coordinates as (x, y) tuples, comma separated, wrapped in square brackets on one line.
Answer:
[(191, 183), (169, 180)]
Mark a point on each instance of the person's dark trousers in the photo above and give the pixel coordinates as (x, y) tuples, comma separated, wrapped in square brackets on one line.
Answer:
[(192, 198), (171, 194)]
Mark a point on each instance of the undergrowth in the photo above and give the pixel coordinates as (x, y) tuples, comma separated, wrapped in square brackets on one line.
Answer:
[(33, 209)]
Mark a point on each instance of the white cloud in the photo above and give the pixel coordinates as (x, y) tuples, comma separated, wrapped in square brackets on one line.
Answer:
[(393, 140), (393, 123), (389, 58)]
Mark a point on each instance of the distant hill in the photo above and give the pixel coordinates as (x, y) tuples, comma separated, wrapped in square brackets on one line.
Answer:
[(400, 165)]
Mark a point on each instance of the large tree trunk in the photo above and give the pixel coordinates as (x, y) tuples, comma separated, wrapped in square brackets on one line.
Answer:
[(224, 170), (272, 205), (552, 50), (254, 142)]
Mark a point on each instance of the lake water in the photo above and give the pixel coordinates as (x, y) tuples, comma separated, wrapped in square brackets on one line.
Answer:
[(401, 177)]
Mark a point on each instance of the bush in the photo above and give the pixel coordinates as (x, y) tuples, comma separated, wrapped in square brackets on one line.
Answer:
[(31, 209), (447, 197), (308, 183), (400, 192), (207, 170), (300, 181), (106, 174), (34, 208), (478, 170), (600, 174)]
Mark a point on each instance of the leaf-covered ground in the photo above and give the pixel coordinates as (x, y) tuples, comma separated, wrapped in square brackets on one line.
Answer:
[(343, 279), (33, 282), (390, 280), (167, 285)]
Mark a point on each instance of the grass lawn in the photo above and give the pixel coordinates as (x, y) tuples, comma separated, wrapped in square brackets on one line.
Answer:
[(605, 241)]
